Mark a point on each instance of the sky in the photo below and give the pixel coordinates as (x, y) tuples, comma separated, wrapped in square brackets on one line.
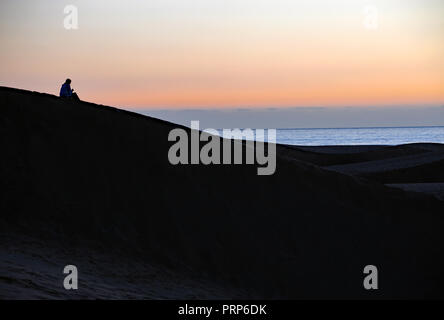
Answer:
[(173, 55), (305, 117)]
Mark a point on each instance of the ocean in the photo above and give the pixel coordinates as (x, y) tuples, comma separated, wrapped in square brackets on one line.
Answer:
[(360, 136)]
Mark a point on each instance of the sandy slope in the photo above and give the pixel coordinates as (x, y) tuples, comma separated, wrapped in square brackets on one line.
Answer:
[(96, 182), (33, 269), (436, 189), (410, 163), (389, 164)]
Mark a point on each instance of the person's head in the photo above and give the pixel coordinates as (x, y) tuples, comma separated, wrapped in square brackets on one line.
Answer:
[(68, 81)]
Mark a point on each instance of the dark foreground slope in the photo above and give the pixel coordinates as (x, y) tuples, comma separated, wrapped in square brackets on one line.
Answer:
[(92, 186)]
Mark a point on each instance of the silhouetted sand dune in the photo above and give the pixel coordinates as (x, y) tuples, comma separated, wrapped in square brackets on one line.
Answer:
[(437, 189), (87, 181), (354, 156), (430, 172), (391, 163)]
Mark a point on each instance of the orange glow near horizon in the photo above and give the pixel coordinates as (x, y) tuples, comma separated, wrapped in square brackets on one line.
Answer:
[(263, 53)]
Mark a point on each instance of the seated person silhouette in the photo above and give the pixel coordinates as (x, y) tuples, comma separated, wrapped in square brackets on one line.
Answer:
[(67, 92)]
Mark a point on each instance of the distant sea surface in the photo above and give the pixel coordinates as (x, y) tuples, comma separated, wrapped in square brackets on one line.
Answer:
[(359, 136)]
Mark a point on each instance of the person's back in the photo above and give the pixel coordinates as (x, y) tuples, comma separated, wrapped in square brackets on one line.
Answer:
[(66, 91)]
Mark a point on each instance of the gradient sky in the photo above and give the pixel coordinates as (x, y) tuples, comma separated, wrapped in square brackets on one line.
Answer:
[(175, 54)]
